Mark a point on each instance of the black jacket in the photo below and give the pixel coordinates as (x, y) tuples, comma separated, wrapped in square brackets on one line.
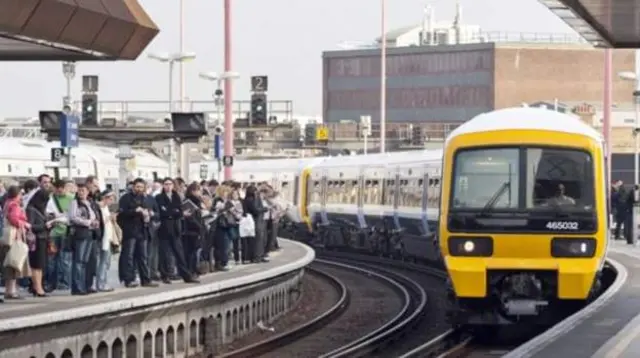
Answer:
[(170, 214), (132, 222), (194, 224), (38, 222)]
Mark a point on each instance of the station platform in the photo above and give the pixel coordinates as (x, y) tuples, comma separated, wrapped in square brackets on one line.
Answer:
[(607, 329), (61, 306)]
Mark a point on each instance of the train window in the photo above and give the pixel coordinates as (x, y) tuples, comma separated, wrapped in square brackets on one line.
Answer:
[(389, 192), (329, 194), (354, 192), (343, 192), (372, 192), (410, 193), (433, 199), (286, 191), (315, 191), (9, 168), (30, 171)]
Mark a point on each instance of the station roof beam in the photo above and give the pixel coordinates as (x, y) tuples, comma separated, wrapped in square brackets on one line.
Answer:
[(604, 23)]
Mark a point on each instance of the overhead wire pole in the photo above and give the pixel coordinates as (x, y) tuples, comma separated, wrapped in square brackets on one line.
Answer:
[(383, 76), (183, 150), (172, 146), (228, 89)]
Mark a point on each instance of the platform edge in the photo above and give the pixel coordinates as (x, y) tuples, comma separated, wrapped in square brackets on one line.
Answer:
[(157, 298), (552, 334)]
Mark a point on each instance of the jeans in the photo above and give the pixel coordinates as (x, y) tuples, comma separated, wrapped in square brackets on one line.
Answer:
[(134, 257), (102, 269), (82, 252), (58, 275)]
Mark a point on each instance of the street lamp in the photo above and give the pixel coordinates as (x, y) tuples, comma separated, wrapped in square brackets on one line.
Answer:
[(218, 96), (172, 59), (69, 72), (365, 127)]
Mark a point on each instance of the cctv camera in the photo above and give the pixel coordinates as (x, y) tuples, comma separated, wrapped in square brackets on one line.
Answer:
[(219, 129)]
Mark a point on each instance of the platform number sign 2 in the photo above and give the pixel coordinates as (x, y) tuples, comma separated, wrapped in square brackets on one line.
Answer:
[(57, 154), (259, 83)]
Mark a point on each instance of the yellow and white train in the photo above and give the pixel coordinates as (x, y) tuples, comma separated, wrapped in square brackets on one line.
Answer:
[(514, 207)]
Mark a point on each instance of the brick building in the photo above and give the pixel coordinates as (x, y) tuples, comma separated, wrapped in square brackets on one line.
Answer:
[(438, 87)]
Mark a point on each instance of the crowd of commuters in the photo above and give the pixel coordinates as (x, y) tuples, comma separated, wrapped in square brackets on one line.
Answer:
[(59, 235)]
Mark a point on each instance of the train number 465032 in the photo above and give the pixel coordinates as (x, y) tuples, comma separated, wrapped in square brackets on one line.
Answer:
[(563, 225)]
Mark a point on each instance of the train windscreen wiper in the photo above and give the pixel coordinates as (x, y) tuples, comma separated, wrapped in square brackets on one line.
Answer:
[(491, 203)]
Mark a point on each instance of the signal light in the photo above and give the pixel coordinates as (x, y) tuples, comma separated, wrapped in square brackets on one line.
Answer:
[(259, 109), (90, 110)]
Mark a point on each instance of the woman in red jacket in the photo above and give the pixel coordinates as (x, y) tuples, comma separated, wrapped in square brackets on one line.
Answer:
[(17, 220)]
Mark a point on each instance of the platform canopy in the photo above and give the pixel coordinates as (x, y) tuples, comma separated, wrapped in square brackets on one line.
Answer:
[(73, 30), (604, 23)]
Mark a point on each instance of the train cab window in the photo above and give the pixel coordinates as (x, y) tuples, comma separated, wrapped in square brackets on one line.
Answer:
[(389, 192), (558, 177), (354, 192)]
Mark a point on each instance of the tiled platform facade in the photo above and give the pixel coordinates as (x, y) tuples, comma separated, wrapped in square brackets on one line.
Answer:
[(175, 320)]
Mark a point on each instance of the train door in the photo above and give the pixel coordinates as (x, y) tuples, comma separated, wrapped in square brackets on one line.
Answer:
[(323, 200), (396, 200), (424, 183), (361, 193)]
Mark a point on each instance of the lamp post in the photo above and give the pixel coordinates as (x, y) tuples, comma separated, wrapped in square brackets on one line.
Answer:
[(219, 93), (365, 127), (383, 76), (219, 97), (69, 71), (228, 87), (172, 59)]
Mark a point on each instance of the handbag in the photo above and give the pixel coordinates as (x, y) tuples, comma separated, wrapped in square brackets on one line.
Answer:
[(52, 249), (247, 226), (17, 256), (30, 238), (223, 221), (9, 233)]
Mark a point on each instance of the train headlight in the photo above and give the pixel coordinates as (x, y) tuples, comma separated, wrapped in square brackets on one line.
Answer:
[(471, 246), (573, 247)]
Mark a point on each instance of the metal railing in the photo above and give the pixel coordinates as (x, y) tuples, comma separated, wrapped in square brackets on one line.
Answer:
[(526, 37), (21, 132)]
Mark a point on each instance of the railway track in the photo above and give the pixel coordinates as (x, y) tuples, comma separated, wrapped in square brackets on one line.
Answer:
[(316, 337)]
